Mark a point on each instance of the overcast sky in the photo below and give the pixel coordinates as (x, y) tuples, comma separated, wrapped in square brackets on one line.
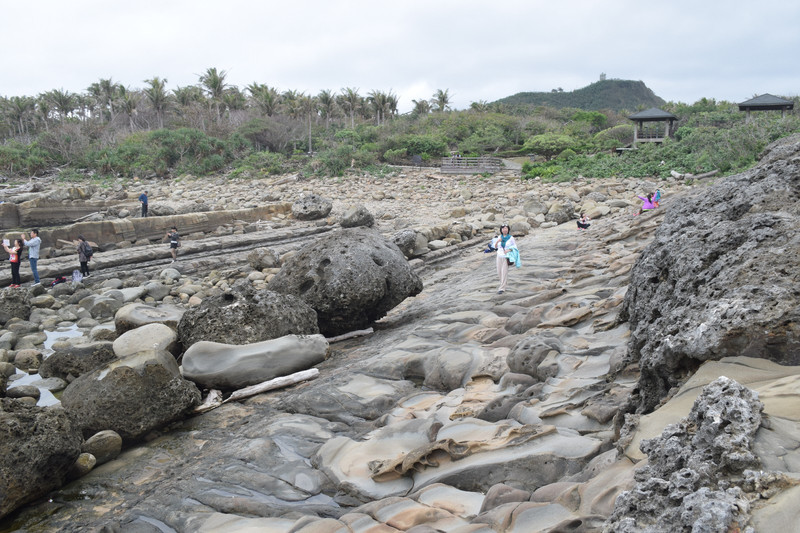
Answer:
[(477, 50)]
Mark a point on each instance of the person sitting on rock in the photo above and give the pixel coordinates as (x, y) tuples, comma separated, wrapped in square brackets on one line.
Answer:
[(657, 197), (583, 222), (647, 203)]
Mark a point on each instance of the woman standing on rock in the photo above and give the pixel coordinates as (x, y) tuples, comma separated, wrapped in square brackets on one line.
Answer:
[(15, 258), (503, 243), (84, 253)]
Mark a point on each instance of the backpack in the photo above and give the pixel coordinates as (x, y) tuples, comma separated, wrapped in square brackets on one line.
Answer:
[(87, 250), (57, 280)]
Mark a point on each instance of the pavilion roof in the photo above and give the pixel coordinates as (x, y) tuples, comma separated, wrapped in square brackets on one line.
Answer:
[(653, 113), (766, 101)]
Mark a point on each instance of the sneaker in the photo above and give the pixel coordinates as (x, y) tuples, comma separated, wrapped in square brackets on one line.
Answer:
[(172, 261), (499, 292)]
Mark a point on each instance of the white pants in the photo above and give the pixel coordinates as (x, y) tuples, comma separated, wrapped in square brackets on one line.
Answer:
[(502, 271)]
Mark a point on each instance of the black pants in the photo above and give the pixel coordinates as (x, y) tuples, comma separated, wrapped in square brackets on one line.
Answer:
[(583, 226), (84, 268), (144, 210), (15, 274)]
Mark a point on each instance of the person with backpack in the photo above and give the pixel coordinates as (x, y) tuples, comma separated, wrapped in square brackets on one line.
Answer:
[(85, 253), (15, 258)]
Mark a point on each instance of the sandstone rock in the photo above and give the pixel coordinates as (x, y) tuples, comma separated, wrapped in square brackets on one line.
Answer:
[(39, 446), (262, 258), (132, 396), (311, 207), (350, 278), (148, 337), (245, 315), (224, 366), (104, 446), (100, 306), (28, 359)]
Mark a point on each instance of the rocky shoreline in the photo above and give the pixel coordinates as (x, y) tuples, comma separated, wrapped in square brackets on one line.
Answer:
[(463, 410)]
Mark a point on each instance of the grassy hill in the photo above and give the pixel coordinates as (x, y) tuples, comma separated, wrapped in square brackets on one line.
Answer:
[(605, 94)]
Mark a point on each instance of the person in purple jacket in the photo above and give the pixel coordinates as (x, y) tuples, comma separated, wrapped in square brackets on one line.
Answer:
[(647, 203)]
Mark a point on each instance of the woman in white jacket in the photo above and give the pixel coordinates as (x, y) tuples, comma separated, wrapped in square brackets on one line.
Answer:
[(503, 242)]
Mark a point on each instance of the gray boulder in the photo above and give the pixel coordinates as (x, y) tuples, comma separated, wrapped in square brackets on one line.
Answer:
[(694, 475), (132, 396), (262, 258), (14, 304), (72, 360), (244, 315), (213, 365), (720, 277), (39, 447), (135, 315), (350, 278), (311, 207), (100, 306), (406, 240), (356, 216)]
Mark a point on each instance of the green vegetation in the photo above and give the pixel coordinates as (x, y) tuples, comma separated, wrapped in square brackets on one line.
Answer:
[(216, 128)]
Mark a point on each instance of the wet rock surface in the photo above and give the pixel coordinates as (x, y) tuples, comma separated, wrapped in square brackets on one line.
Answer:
[(463, 409)]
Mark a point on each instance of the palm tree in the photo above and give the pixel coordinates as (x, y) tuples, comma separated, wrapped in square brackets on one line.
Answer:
[(308, 105), (327, 105), (350, 100), (157, 96), (391, 104), (63, 101), (441, 99), (266, 98), (481, 106), (214, 83), (43, 111), (20, 109), (421, 107), (186, 96), (291, 104), (109, 91), (129, 101), (378, 99)]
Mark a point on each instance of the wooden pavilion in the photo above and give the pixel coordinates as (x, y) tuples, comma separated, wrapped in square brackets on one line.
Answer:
[(766, 102), (649, 126)]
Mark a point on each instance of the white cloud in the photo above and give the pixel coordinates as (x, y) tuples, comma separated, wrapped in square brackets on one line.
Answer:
[(682, 50)]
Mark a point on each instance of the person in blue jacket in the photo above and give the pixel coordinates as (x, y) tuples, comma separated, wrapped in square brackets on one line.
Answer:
[(143, 199)]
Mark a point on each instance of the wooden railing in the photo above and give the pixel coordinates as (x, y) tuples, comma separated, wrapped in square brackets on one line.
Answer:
[(471, 165)]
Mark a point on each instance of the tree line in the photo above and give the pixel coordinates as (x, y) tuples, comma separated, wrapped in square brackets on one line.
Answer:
[(216, 127)]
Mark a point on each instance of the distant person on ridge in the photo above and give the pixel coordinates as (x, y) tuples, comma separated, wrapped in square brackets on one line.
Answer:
[(143, 199)]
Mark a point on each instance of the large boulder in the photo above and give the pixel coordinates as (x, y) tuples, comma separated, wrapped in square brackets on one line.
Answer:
[(213, 365), (14, 303), (72, 360), (132, 396), (350, 278), (720, 277), (311, 207), (39, 447), (135, 315), (244, 315)]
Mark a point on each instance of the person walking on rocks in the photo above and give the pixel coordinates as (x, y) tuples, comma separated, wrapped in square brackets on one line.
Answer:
[(503, 243), (143, 199), (174, 243), (84, 254), (14, 257), (33, 252)]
